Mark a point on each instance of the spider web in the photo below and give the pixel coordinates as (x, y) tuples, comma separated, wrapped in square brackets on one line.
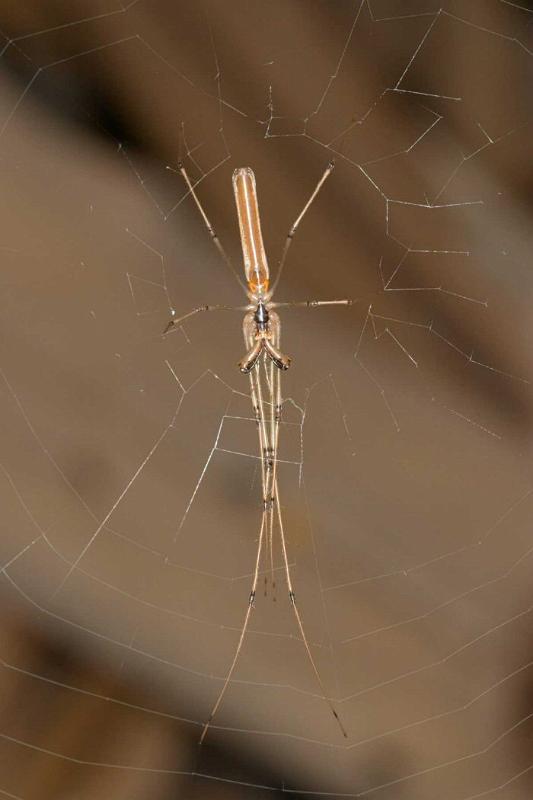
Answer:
[(130, 474)]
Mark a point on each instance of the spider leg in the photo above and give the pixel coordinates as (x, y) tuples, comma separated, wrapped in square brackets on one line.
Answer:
[(290, 235), (313, 303), (210, 228), (299, 621), (176, 321), (238, 649)]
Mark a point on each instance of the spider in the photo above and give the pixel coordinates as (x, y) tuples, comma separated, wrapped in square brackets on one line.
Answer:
[(263, 363)]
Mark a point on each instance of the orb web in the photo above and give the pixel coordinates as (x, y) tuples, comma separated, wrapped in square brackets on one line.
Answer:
[(130, 473)]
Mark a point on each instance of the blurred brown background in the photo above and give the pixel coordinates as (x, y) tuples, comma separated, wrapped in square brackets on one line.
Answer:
[(128, 466)]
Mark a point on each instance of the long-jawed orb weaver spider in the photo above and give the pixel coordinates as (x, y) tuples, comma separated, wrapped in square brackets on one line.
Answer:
[(263, 363)]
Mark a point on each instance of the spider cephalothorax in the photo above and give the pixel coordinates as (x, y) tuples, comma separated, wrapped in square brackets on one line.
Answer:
[(261, 329)]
